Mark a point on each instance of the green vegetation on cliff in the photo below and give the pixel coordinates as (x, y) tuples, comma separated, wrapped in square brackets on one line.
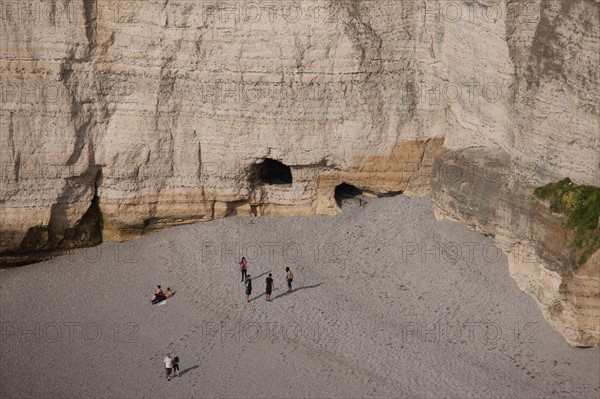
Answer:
[(581, 205)]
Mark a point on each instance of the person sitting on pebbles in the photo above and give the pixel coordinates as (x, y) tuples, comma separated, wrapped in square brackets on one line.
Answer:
[(169, 293), (158, 296)]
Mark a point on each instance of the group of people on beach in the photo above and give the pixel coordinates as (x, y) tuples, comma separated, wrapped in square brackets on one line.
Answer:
[(160, 296), (247, 280), (172, 364)]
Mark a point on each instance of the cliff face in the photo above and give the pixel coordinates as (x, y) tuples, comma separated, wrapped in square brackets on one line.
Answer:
[(118, 118)]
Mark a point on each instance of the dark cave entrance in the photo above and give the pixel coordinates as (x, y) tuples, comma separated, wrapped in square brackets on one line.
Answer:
[(271, 172), (345, 191)]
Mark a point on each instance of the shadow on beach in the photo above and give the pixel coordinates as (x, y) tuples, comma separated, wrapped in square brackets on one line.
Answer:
[(262, 274), (304, 287), (188, 369)]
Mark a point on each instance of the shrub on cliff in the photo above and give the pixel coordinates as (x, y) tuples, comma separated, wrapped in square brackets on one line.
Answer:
[(581, 205)]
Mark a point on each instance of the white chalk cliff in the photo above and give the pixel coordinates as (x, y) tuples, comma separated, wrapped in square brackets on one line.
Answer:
[(118, 118)]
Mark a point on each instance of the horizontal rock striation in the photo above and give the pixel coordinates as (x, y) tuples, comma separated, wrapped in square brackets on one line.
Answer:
[(535, 240), (118, 118)]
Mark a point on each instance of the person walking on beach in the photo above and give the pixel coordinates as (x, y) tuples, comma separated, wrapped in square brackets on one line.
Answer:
[(243, 268), (289, 277), (176, 366), (248, 287), (269, 287), (168, 366)]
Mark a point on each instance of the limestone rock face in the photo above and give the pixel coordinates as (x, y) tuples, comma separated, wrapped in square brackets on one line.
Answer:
[(535, 240), (119, 117)]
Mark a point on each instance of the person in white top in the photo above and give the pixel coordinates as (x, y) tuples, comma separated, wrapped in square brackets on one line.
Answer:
[(168, 366)]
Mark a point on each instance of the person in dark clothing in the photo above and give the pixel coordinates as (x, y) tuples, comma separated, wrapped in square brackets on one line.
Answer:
[(176, 366), (248, 288), (243, 268), (269, 287)]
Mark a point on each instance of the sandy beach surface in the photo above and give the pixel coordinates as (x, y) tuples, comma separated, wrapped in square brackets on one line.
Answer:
[(388, 302)]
